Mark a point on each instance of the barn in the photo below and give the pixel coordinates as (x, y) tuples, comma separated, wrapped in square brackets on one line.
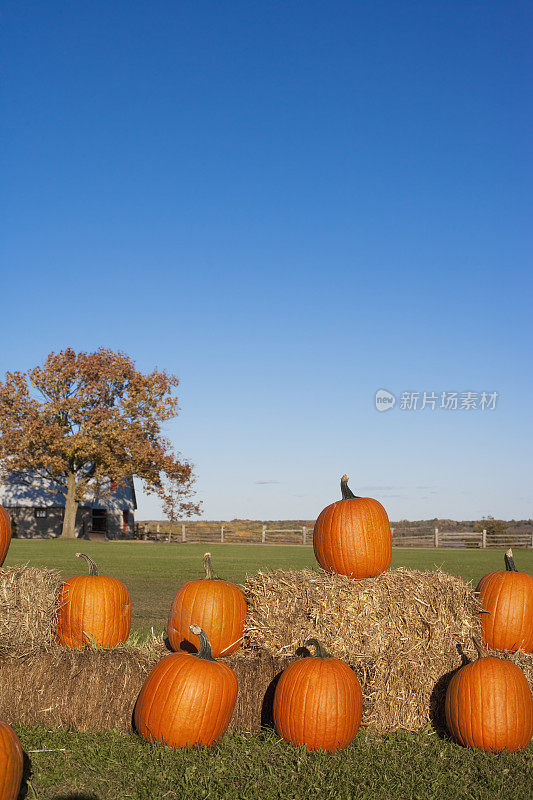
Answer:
[(36, 506)]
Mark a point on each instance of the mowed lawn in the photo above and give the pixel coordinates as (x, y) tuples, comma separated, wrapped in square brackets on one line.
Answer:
[(154, 571), (402, 766)]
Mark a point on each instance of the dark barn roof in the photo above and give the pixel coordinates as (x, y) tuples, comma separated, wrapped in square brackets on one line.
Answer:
[(39, 492)]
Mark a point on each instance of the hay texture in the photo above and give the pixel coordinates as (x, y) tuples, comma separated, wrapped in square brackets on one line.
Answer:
[(27, 609), (403, 632), (96, 690), (399, 631), (75, 689)]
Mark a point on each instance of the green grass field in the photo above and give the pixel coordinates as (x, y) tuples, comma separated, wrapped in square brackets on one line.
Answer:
[(154, 572), (400, 767), (114, 766)]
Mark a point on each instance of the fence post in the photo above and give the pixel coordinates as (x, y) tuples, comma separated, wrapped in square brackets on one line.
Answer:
[(263, 534), (183, 539), (484, 538), (145, 530), (158, 528), (221, 534), (436, 537), (169, 533), (304, 534)]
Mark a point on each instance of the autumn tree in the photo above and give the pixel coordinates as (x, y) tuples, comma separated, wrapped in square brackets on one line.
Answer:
[(492, 526), (82, 418)]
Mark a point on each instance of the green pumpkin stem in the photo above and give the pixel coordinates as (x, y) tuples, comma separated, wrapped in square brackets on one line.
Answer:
[(347, 493), (509, 561), (205, 645), (209, 574), (92, 566), (320, 652)]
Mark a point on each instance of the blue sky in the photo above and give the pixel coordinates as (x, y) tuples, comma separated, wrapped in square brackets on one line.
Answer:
[(289, 206)]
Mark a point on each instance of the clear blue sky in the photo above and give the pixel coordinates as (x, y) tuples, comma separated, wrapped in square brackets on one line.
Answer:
[(290, 205)]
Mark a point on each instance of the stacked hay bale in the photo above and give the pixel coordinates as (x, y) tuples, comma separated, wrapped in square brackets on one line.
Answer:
[(403, 632), (27, 609), (400, 632), (96, 690), (41, 683), (44, 684)]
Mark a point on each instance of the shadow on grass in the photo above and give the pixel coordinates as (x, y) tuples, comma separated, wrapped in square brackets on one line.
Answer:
[(26, 775), (26, 783)]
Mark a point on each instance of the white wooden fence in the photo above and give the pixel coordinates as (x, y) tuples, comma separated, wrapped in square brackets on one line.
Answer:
[(470, 539), (225, 534)]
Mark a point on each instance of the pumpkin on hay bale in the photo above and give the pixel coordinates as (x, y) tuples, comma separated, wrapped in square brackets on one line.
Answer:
[(352, 536), (507, 600), (5, 534), (216, 605), (187, 698), (92, 609), (400, 631), (317, 702), (489, 704)]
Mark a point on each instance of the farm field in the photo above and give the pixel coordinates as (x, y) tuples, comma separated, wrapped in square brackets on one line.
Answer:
[(404, 766), (154, 572)]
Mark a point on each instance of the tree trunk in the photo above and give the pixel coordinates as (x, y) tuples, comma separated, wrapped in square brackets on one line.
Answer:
[(71, 509)]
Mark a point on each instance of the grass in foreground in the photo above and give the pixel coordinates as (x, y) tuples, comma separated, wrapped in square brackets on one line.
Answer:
[(154, 572), (420, 766)]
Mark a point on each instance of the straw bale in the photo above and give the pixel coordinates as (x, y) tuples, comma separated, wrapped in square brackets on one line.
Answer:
[(399, 631), (404, 633), (76, 689), (27, 609), (97, 689), (257, 673)]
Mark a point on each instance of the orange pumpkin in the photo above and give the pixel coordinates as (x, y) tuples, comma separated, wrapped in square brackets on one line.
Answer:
[(352, 536), (217, 606), (489, 705), (92, 610), (507, 601), (5, 534), (11, 763), (187, 699), (318, 702)]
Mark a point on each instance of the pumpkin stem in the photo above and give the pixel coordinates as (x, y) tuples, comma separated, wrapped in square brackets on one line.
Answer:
[(205, 645), (481, 651), (209, 574), (92, 566), (320, 652), (509, 561), (347, 493)]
